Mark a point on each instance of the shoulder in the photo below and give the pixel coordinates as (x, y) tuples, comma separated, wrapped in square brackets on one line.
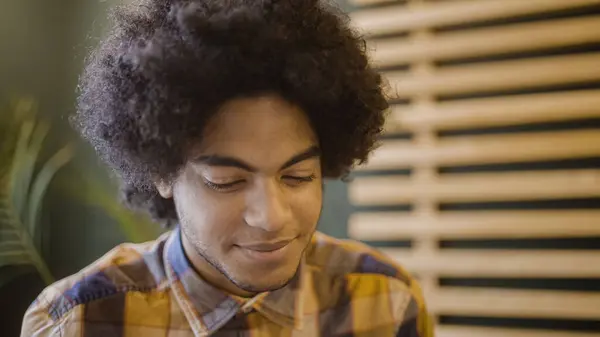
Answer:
[(101, 285), (340, 258), (359, 274)]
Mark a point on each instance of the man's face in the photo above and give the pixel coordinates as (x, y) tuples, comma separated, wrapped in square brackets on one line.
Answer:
[(250, 195)]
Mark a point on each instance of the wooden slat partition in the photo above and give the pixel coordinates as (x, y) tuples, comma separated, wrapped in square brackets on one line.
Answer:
[(418, 15), (478, 187), (488, 149), (453, 331), (524, 78), (458, 225), (497, 111), (503, 39), (500, 263), (502, 303), (543, 71), (369, 2)]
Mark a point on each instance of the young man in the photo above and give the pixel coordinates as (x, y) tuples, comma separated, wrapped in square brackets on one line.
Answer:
[(222, 118)]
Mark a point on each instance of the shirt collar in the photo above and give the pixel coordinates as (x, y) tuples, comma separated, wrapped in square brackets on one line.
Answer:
[(208, 308)]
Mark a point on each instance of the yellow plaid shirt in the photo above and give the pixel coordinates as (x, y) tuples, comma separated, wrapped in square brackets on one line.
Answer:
[(342, 288)]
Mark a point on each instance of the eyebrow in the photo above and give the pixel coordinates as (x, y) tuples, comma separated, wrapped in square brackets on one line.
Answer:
[(216, 160)]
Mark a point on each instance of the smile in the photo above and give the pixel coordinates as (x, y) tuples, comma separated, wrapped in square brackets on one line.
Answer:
[(266, 252)]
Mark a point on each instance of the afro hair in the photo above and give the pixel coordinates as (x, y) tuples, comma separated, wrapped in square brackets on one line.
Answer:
[(167, 66)]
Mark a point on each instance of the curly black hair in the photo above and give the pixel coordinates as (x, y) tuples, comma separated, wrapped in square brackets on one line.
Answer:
[(167, 66)]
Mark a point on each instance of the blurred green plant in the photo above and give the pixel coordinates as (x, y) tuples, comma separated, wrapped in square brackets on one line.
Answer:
[(135, 226), (24, 179)]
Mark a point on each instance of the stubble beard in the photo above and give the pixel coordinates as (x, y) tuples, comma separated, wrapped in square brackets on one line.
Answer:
[(202, 252)]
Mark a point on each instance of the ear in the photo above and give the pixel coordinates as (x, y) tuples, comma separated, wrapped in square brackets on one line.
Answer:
[(165, 189)]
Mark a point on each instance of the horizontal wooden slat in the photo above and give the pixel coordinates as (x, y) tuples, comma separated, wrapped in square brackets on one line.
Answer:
[(493, 76), (480, 42), (499, 263), (487, 149), (467, 331), (521, 109), (434, 14), (371, 2), (393, 190), (515, 303), (452, 225)]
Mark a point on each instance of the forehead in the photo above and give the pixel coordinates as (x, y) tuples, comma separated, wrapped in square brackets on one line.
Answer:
[(265, 129)]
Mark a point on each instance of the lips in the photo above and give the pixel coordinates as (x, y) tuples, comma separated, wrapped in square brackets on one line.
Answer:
[(266, 247), (266, 253)]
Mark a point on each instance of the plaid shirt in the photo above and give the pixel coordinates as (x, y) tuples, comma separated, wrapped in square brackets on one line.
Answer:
[(342, 288)]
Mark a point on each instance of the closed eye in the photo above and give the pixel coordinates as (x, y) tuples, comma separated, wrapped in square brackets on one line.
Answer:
[(222, 187), (299, 179)]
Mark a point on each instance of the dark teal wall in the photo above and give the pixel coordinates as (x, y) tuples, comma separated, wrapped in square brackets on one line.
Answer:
[(33, 47), (41, 48), (336, 209), (77, 227), (43, 44)]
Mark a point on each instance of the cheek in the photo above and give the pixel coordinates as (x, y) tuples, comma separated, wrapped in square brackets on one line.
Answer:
[(205, 215)]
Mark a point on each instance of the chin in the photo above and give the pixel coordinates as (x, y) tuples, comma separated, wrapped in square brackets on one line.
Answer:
[(260, 284)]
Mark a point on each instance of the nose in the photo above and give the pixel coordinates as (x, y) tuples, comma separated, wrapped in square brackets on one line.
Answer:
[(267, 207)]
